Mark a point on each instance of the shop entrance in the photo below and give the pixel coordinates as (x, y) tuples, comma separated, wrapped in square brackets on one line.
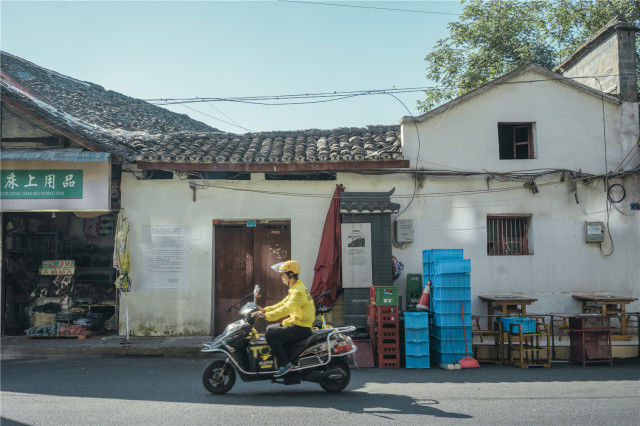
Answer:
[(57, 275), (243, 257)]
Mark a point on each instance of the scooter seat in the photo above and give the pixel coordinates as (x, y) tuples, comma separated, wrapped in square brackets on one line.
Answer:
[(317, 336)]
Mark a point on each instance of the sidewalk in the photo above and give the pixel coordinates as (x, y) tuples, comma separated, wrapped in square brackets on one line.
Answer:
[(183, 346)]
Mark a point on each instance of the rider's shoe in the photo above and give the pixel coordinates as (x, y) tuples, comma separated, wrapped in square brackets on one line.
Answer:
[(284, 370)]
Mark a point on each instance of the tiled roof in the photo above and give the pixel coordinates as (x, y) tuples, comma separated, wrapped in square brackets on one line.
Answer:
[(110, 120), (368, 202), (137, 130), (303, 146)]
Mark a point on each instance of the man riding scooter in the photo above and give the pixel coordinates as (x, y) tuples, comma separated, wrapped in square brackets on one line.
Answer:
[(299, 309)]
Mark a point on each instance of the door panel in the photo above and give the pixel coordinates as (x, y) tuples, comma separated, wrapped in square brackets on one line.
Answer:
[(233, 260), (272, 244), (243, 257)]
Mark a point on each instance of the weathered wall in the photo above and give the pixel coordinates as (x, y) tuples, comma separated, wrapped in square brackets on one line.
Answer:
[(602, 60), (568, 134)]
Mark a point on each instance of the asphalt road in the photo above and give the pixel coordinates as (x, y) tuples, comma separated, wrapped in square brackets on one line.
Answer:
[(136, 391)]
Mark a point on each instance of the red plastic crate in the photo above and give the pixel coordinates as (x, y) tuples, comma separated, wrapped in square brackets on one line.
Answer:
[(385, 348), (389, 360), (387, 316), (388, 331)]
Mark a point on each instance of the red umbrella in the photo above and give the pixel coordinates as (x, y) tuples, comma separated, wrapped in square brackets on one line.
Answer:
[(329, 264)]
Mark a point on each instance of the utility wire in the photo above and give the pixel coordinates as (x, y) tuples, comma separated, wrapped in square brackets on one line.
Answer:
[(221, 112), (318, 3), (338, 95), (215, 118)]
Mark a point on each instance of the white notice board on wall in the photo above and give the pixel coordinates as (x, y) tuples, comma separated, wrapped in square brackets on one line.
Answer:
[(165, 257), (356, 255)]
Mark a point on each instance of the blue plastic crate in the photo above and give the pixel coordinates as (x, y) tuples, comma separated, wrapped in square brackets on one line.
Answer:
[(417, 348), (450, 293), (451, 280), (427, 277), (448, 346), (456, 332), (434, 255), (414, 361), (416, 334), (528, 324), (451, 266), (450, 306), (426, 270), (452, 319), (448, 358), (416, 320)]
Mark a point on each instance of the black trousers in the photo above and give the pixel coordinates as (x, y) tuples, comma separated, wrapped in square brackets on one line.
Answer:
[(277, 336)]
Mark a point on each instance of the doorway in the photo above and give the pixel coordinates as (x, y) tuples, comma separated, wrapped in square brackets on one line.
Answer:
[(242, 258)]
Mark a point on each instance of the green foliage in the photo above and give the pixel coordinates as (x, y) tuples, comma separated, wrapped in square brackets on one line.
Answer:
[(494, 37)]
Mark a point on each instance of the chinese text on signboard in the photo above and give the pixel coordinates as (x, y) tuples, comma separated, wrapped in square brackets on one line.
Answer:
[(41, 184), (58, 267)]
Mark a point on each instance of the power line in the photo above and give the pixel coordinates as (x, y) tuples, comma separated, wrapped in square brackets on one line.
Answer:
[(221, 112), (318, 3), (215, 118), (340, 95)]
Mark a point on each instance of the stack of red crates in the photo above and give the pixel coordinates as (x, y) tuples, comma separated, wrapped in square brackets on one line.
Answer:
[(384, 331)]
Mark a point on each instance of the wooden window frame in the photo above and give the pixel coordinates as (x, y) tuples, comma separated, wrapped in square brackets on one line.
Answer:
[(529, 142), (503, 229)]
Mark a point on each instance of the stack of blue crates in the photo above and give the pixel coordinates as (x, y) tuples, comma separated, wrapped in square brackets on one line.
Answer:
[(416, 340), (450, 291)]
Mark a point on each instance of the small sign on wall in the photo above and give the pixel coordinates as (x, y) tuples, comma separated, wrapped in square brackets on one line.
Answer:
[(165, 257), (357, 269)]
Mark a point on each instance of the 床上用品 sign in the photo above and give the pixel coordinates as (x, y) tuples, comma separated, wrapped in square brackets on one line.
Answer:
[(36, 184)]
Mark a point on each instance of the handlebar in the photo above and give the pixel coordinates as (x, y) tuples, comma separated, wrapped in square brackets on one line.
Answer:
[(235, 305)]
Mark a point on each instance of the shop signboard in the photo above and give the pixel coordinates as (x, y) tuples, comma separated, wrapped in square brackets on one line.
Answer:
[(38, 184), (357, 270), (58, 267)]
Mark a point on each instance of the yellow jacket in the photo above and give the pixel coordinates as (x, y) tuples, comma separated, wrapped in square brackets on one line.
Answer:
[(298, 305)]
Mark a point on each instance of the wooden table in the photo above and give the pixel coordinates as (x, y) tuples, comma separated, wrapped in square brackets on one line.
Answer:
[(507, 304), (607, 304)]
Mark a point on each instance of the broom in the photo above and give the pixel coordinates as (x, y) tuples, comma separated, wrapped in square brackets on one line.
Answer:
[(467, 361)]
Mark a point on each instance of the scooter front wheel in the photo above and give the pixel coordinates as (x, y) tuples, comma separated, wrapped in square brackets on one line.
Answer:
[(219, 377)]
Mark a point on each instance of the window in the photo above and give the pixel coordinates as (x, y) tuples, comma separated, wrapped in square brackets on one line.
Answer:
[(516, 141), (219, 175), (157, 174), (303, 176), (508, 235)]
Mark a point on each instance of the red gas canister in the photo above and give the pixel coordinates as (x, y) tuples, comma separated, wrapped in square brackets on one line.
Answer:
[(423, 303)]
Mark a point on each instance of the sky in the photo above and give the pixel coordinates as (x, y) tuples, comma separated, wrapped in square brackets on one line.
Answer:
[(179, 49)]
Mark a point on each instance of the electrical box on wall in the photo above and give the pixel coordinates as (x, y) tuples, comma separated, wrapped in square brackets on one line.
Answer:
[(403, 230), (594, 232)]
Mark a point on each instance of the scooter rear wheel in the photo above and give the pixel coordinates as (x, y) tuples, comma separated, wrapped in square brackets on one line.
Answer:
[(337, 385), (219, 377)]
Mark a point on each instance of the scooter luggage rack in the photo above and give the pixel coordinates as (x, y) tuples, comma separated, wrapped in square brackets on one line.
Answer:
[(209, 348)]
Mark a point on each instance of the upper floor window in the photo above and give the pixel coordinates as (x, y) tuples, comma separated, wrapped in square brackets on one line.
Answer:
[(516, 141)]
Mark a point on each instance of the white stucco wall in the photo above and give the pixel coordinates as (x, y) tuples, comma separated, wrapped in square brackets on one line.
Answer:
[(568, 133)]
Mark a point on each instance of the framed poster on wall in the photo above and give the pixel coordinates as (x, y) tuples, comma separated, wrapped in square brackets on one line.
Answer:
[(356, 255)]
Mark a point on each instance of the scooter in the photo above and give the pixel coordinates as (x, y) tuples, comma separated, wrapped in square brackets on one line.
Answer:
[(324, 357)]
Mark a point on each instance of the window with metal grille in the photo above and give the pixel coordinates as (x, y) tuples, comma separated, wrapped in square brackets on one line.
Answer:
[(508, 235)]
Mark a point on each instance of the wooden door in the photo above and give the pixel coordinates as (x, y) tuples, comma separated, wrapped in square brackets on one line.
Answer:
[(272, 244), (242, 258)]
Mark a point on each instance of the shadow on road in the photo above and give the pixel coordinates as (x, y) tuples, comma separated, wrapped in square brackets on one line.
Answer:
[(353, 402)]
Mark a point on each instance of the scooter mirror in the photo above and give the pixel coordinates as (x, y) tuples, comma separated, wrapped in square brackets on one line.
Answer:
[(256, 292)]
